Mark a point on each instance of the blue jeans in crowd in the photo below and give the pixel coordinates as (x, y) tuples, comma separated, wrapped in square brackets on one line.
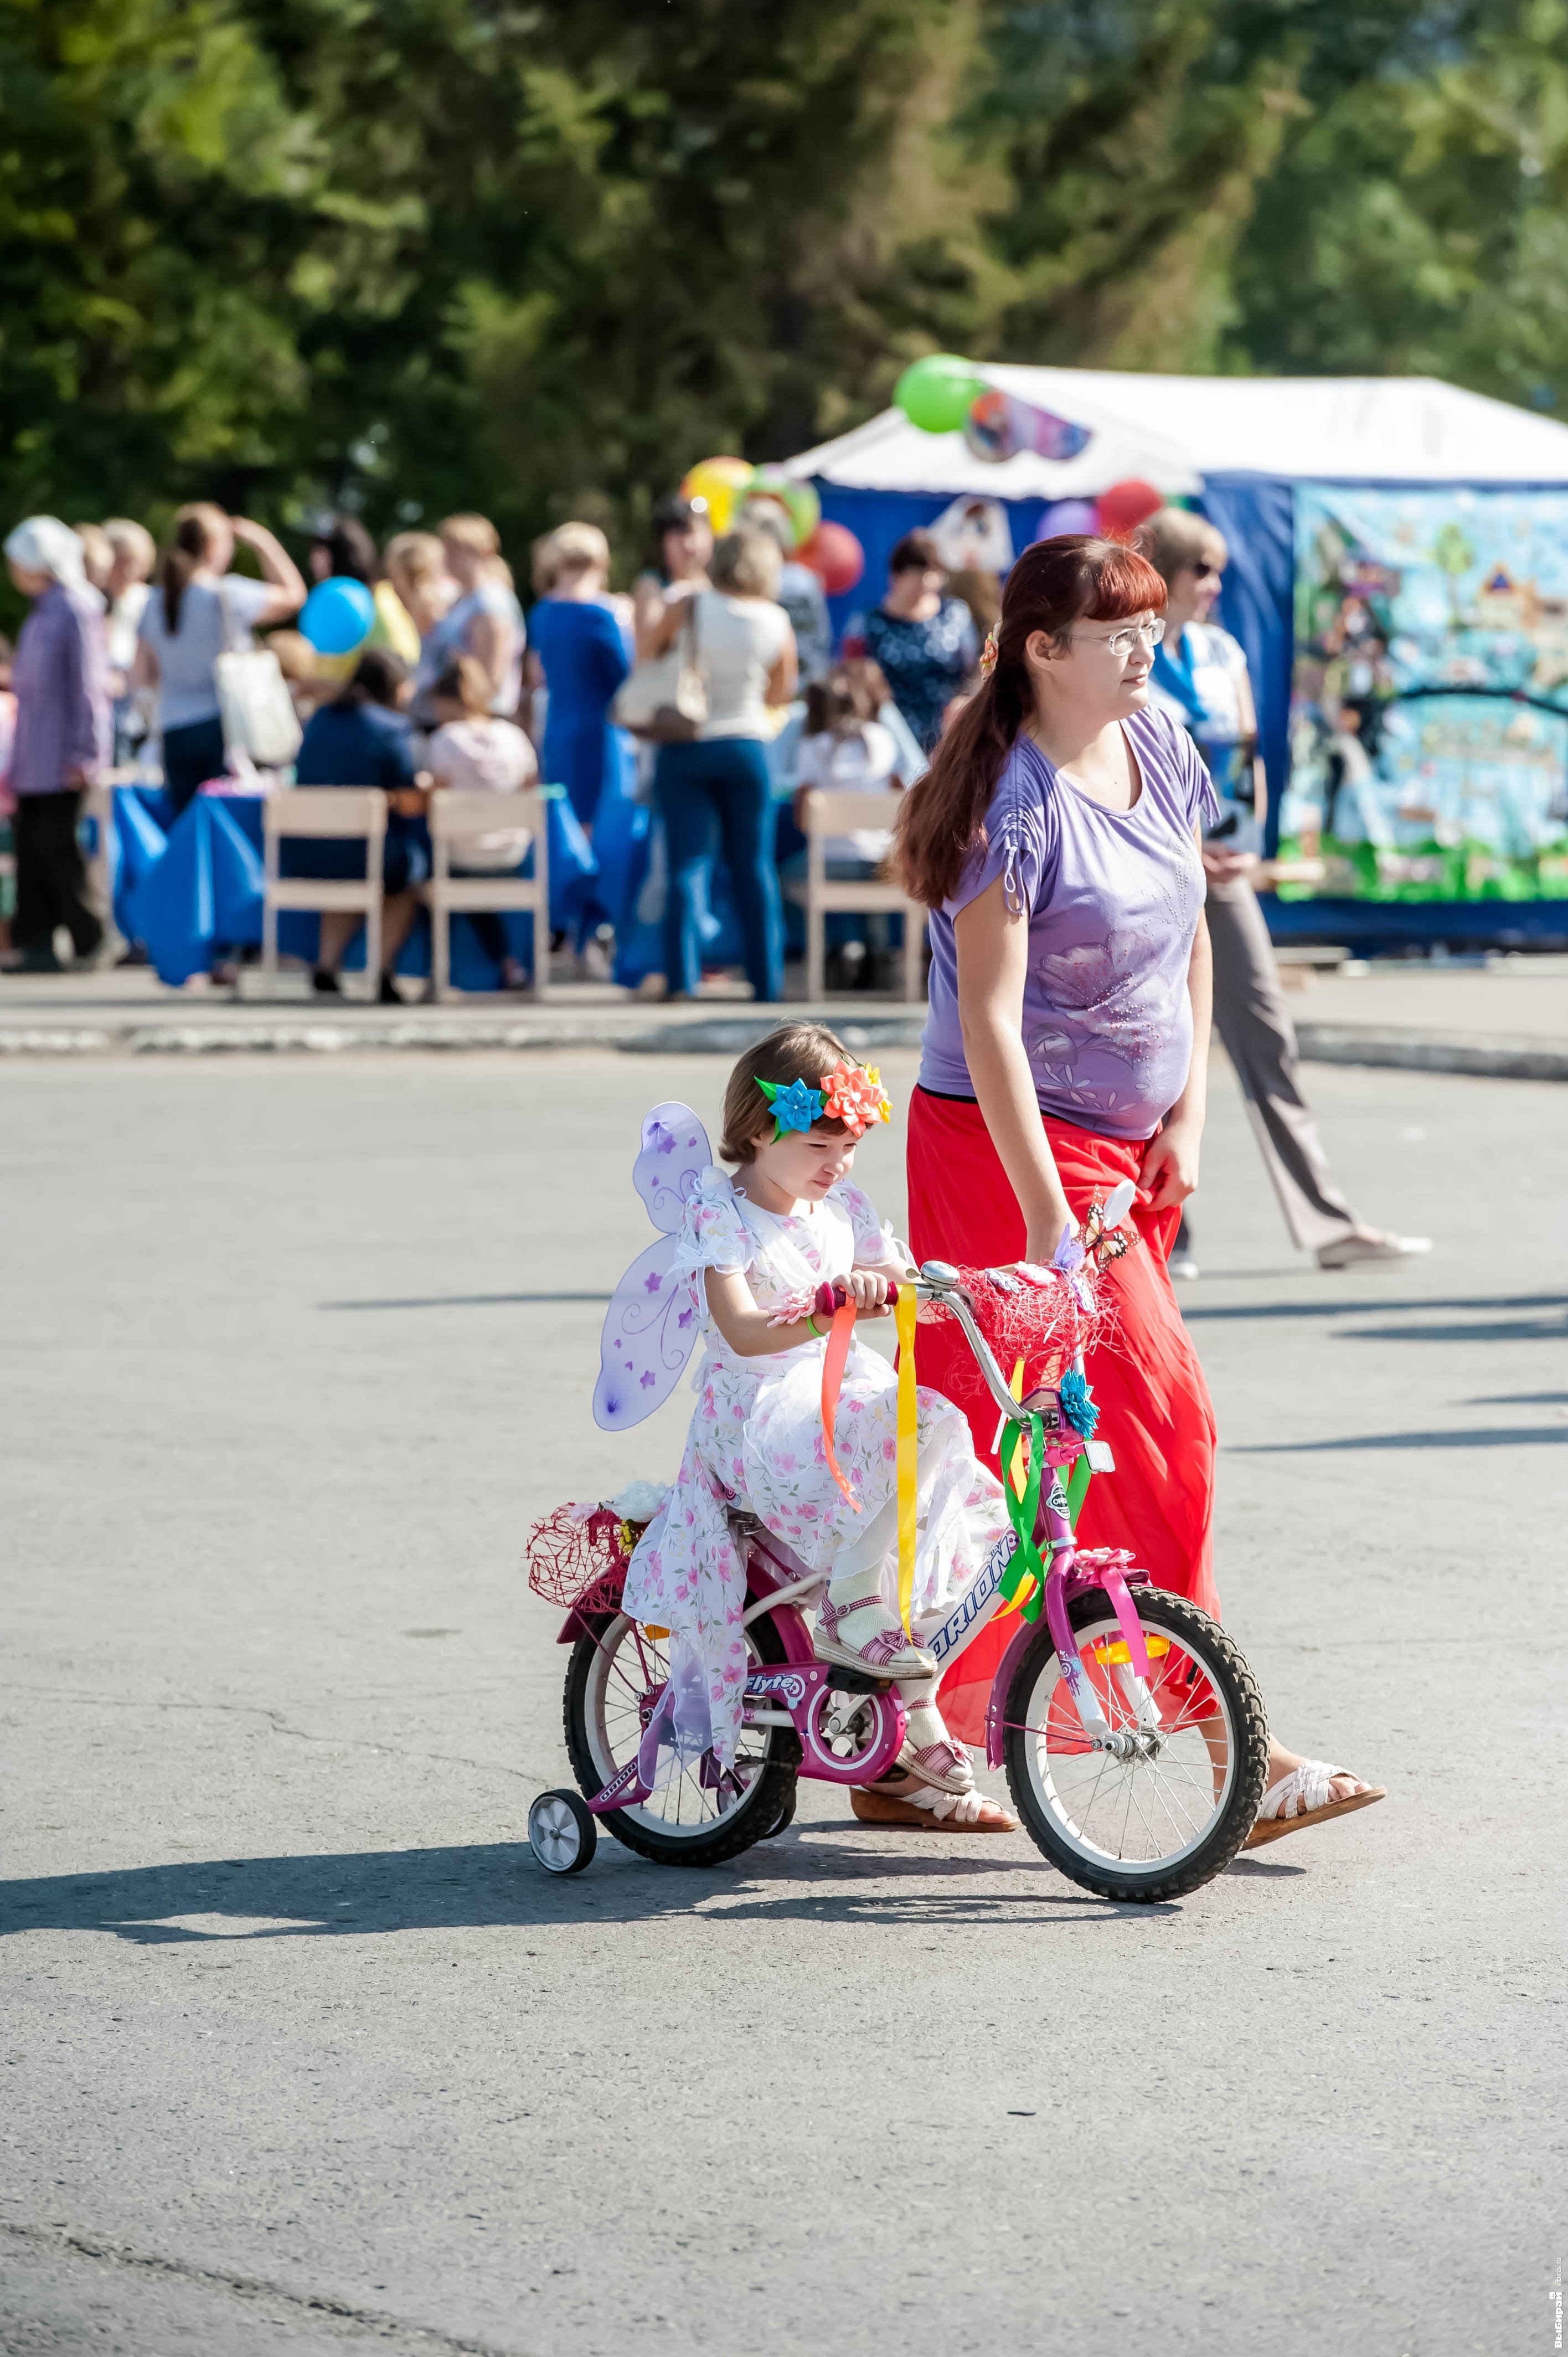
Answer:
[(191, 755), (718, 795)]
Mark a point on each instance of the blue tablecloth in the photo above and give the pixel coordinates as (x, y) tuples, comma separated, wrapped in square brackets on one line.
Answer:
[(194, 888)]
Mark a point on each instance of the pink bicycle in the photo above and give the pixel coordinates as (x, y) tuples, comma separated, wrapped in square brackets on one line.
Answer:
[(1132, 1730)]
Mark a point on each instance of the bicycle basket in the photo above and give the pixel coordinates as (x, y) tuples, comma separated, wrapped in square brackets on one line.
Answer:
[(1044, 1325), (577, 1557)]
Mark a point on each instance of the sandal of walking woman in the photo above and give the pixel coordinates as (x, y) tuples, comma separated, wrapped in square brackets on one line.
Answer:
[(901, 1798), (1305, 1797)]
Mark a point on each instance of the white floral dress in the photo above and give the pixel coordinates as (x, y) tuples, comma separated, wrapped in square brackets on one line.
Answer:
[(756, 1443)]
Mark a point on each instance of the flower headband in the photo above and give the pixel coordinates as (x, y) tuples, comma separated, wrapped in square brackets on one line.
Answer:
[(852, 1093)]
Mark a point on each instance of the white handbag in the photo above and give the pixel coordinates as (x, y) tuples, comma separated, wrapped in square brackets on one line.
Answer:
[(665, 699), (259, 718)]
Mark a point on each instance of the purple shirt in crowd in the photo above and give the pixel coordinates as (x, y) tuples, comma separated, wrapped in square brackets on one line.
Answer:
[(1112, 899), (60, 676)]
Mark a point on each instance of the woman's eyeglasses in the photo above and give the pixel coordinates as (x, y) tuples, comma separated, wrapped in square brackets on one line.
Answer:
[(1120, 643)]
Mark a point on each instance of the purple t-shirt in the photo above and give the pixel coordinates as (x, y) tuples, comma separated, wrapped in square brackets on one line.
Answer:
[(1112, 899)]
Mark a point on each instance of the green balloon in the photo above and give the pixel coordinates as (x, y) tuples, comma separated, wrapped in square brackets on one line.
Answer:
[(936, 393)]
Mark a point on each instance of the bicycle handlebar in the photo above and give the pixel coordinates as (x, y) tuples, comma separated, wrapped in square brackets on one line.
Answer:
[(939, 1281)]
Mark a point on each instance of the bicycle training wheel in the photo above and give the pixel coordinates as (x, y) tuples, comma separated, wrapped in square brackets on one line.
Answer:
[(686, 1820), (1164, 1810)]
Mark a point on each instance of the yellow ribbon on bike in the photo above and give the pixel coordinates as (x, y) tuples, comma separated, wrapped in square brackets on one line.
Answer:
[(904, 1313)]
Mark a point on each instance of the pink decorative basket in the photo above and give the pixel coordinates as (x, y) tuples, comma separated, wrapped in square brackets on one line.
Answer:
[(577, 1557)]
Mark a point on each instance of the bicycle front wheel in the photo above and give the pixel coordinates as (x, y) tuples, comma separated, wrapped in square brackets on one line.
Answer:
[(1160, 1812)]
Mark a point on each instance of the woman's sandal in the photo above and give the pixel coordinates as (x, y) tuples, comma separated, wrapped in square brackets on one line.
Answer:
[(1304, 1798), (901, 1798), (886, 1653)]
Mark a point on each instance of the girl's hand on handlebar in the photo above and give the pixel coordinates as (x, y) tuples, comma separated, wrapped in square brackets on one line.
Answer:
[(867, 1289)]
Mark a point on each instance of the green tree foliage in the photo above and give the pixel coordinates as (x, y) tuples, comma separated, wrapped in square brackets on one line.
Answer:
[(537, 258)]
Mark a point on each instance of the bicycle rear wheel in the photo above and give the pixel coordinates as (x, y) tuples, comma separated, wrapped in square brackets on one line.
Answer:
[(1162, 1814), (685, 1820)]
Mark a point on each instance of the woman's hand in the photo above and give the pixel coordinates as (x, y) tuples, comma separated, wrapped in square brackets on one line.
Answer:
[(867, 1289), (1170, 1163), (1045, 1234)]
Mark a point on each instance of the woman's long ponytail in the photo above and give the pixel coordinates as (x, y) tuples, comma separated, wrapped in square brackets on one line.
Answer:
[(185, 556)]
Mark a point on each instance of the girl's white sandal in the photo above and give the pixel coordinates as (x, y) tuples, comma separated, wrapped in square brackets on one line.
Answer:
[(1304, 1798), (885, 1652)]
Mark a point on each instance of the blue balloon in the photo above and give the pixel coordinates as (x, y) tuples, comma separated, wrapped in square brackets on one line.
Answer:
[(337, 615)]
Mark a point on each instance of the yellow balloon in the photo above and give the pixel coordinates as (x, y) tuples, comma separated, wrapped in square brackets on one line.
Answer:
[(721, 482)]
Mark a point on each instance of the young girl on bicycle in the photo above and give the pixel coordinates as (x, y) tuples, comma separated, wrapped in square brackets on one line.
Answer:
[(755, 1248)]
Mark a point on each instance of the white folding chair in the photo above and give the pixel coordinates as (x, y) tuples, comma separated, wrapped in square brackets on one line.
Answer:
[(457, 818), (843, 810), (326, 812)]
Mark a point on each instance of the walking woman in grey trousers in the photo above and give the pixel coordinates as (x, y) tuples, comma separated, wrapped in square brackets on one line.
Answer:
[(1201, 678)]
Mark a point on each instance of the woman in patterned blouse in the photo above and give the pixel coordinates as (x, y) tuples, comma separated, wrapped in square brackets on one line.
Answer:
[(924, 640)]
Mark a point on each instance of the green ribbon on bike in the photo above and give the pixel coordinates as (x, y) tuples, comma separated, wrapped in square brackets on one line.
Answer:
[(1024, 1512)]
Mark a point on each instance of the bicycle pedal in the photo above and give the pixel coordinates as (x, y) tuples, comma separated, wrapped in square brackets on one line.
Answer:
[(845, 1681)]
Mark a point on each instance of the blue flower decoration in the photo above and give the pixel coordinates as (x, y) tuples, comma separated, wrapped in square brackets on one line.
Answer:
[(1078, 1404), (795, 1107)]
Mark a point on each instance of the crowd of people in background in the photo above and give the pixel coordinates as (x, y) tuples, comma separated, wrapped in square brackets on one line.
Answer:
[(117, 669), (738, 708)]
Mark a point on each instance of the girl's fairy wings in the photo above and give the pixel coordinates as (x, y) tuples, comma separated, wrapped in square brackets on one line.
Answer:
[(675, 1150), (652, 1322)]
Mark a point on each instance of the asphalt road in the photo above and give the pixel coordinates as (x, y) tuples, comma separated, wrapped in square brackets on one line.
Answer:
[(301, 2051)]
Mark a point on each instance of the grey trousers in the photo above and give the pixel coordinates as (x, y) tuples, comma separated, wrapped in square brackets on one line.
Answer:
[(1260, 1040)]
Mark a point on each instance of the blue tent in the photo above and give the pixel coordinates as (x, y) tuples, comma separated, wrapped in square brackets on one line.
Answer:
[(1378, 470)]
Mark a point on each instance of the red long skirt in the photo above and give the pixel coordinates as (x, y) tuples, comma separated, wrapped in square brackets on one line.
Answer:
[(1154, 1405)]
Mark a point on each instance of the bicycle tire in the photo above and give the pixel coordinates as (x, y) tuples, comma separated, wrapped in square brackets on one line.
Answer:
[(1225, 1667), (766, 1809)]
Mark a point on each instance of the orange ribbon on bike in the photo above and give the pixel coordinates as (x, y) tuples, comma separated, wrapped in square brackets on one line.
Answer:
[(841, 1333)]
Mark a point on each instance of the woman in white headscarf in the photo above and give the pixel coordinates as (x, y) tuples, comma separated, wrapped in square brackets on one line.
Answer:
[(61, 677)]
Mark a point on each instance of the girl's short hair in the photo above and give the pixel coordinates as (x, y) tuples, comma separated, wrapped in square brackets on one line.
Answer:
[(417, 555), (746, 562), (464, 682), (796, 1052), (570, 548), (132, 541), (1173, 537), (474, 532), (351, 552), (915, 552), (852, 694), (376, 678)]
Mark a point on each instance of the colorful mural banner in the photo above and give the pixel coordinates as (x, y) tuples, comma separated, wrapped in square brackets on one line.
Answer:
[(1428, 708)]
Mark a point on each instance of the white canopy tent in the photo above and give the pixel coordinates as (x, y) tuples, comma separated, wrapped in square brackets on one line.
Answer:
[(1175, 432), (1258, 454)]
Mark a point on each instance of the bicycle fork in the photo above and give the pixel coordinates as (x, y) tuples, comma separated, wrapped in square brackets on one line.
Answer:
[(1064, 1583)]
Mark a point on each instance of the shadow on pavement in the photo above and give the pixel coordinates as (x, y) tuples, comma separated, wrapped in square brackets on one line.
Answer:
[(464, 1301), (497, 1884), (1364, 1302), (1489, 1436)]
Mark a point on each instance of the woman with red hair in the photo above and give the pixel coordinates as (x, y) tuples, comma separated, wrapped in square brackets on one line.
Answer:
[(1056, 841)]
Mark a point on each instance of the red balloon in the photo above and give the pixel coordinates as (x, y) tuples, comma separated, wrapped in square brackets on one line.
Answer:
[(835, 556), (1126, 506)]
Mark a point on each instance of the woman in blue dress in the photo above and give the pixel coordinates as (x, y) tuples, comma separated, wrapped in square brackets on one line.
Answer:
[(578, 653)]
